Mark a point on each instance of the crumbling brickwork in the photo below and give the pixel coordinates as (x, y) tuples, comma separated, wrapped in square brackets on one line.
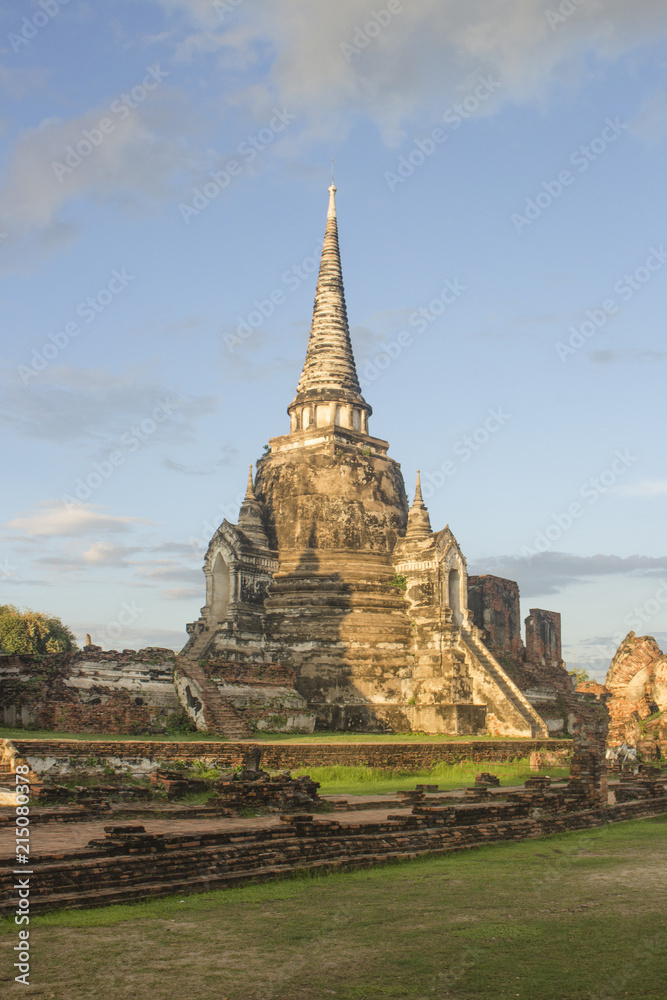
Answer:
[(495, 607), (588, 768), (58, 756), (543, 644), (90, 690)]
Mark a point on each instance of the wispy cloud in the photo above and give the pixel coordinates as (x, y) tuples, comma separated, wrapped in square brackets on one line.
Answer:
[(52, 517), (608, 357), (66, 404), (551, 572), (646, 489), (422, 60), (228, 456)]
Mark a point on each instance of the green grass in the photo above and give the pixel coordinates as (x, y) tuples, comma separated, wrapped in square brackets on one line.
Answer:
[(579, 916), (349, 780), (322, 736), (16, 733), (335, 736)]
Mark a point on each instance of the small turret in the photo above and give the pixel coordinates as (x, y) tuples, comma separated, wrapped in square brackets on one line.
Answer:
[(250, 516), (419, 523)]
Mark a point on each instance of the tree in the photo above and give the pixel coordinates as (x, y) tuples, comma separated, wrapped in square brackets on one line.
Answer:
[(33, 632), (579, 675)]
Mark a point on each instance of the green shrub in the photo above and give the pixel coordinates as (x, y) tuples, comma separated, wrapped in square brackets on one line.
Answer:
[(33, 632)]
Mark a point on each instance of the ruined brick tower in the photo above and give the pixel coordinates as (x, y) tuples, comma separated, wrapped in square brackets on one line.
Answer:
[(329, 572)]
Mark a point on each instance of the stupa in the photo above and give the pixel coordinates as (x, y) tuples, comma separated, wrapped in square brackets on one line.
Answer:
[(330, 572)]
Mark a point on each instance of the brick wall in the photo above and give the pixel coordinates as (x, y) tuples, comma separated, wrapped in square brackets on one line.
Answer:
[(124, 867), (120, 714), (543, 645), (494, 603), (292, 756)]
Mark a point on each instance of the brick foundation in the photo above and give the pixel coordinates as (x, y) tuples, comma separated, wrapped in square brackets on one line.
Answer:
[(290, 756)]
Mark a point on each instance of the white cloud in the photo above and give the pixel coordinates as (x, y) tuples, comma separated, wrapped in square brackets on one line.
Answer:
[(150, 156), (166, 569), (53, 517), (102, 553), (427, 56), (182, 593), (646, 489)]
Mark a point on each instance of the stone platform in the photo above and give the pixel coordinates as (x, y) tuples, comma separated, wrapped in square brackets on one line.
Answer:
[(112, 860)]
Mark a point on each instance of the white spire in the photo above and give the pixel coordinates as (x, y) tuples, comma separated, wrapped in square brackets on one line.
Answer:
[(331, 213)]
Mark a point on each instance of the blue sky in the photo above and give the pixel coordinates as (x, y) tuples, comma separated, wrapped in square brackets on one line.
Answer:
[(500, 169)]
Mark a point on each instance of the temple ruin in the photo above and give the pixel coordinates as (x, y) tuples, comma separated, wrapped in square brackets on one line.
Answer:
[(331, 573)]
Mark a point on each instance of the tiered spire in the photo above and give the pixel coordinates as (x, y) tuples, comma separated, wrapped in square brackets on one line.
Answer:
[(329, 359), (250, 516), (419, 522), (250, 488)]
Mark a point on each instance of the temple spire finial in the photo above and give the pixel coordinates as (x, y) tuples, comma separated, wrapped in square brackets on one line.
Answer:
[(419, 522), (331, 212), (329, 369), (250, 515), (418, 491), (250, 489)]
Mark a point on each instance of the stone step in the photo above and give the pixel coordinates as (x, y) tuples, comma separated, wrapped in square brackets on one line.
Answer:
[(220, 715)]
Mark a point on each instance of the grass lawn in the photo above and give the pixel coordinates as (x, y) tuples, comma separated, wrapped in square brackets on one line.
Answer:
[(348, 780), (580, 916), (322, 736), (14, 733)]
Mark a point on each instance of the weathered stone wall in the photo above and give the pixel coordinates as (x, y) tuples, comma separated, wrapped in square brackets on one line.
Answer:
[(130, 864), (637, 681), (89, 691), (335, 495), (588, 768), (134, 692), (543, 639), (59, 756), (496, 610)]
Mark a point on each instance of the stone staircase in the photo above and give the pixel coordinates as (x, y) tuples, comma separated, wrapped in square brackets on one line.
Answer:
[(199, 642), (220, 715), (513, 694)]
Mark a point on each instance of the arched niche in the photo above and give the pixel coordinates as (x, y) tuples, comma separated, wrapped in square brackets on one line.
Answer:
[(454, 594), (220, 588)]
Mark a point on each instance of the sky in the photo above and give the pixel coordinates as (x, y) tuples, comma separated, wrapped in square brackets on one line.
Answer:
[(500, 167)]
